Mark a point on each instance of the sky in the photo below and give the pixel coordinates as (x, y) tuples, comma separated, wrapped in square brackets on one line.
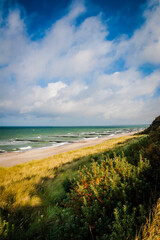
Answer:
[(86, 62)]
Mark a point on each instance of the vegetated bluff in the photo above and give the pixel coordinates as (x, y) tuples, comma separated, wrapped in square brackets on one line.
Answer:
[(154, 126)]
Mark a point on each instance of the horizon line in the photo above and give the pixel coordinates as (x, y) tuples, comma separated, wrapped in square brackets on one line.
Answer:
[(121, 125)]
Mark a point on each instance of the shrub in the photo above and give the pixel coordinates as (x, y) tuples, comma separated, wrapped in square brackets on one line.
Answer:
[(106, 199)]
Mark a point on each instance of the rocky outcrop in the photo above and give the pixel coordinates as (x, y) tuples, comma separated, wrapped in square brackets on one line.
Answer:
[(154, 126)]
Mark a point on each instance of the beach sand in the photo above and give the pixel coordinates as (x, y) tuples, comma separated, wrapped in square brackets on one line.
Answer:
[(10, 159)]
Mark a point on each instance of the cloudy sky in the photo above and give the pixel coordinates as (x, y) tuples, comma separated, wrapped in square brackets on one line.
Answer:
[(90, 62)]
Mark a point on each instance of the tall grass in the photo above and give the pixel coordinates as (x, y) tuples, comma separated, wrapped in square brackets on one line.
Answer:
[(151, 229)]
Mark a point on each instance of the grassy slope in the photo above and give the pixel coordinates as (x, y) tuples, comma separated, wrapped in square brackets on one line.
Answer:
[(38, 187), (18, 184)]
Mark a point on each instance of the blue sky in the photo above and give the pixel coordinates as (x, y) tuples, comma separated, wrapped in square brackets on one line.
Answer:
[(79, 62)]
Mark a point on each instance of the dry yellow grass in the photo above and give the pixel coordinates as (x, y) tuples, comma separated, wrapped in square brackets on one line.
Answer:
[(17, 184), (151, 230)]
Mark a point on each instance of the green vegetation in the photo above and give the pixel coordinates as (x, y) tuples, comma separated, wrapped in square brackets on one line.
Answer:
[(102, 192), (107, 202)]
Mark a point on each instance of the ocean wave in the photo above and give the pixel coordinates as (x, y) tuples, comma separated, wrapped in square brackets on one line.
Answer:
[(104, 133), (25, 148), (65, 136), (54, 145), (112, 135), (7, 143), (60, 141), (2, 151), (118, 131), (60, 144), (90, 138), (32, 140), (88, 133)]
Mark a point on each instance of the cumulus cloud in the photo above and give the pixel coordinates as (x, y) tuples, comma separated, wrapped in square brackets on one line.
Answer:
[(66, 74), (144, 45)]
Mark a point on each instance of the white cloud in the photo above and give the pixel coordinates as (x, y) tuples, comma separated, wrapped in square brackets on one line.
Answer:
[(64, 74), (39, 96), (144, 45)]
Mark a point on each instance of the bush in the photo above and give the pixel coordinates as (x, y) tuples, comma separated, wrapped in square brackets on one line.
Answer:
[(106, 201)]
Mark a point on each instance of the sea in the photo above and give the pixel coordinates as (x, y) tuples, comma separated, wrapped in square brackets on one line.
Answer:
[(19, 139)]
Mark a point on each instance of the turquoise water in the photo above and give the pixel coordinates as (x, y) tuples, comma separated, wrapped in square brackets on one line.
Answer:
[(27, 138)]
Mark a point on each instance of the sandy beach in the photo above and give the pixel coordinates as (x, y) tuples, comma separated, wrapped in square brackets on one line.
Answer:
[(10, 159)]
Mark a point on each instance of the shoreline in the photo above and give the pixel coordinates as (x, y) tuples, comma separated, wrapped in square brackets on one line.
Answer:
[(9, 159)]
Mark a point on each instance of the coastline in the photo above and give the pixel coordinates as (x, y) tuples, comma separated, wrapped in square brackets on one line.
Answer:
[(9, 159)]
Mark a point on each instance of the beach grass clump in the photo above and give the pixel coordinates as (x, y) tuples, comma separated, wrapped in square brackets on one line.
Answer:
[(3, 228), (151, 229)]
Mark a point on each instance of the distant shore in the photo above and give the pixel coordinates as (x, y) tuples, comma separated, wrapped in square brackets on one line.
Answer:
[(9, 159)]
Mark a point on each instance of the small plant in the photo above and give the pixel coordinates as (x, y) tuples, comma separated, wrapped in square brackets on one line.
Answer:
[(6, 229), (124, 222)]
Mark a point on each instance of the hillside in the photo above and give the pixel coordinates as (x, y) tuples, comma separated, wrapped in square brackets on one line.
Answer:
[(154, 126), (108, 193)]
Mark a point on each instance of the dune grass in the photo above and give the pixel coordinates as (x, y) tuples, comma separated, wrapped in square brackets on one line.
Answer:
[(151, 229), (18, 184)]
